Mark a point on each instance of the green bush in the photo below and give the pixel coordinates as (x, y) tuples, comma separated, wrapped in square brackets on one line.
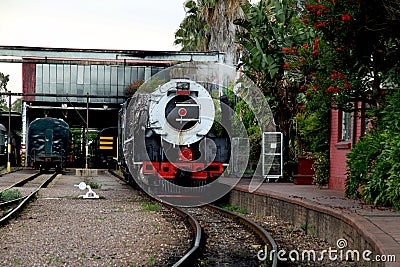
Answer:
[(361, 162), (374, 162), (321, 168), (9, 195)]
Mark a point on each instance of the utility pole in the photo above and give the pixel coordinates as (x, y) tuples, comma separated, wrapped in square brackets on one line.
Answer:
[(87, 133), (9, 135)]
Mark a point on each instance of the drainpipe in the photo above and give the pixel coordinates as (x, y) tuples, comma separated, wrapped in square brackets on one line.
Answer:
[(9, 134), (354, 135), (87, 133)]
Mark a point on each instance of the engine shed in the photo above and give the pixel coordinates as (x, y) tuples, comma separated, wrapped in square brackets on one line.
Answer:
[(86, 87), (82, 95)]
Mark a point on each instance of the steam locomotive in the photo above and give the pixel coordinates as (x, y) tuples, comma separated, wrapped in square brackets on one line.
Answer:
[(172, 134)]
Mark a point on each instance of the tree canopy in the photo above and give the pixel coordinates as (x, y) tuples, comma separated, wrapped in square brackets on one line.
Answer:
[(312, 56)]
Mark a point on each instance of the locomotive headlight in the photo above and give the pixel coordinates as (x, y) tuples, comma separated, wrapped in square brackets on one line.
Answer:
[(181, 118), (183, 88), (182, 85)]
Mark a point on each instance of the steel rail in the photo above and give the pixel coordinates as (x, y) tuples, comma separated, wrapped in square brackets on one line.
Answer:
[(260, 231), (25, 200), (22, 182), (190, 255), (11, 202)]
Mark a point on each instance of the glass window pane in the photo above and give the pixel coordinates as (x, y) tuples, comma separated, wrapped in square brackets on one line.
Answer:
[(127, 76), (141, 73), (114, 75), (100, 89), (74, 74), (39, 78), (79, 90), (346, 126), (86, 89), (100, 75), (73, 91), (46, 89), (86, 76), (93, 89), (113, 90), (53, 74), (46, 73), (80, 74), (107, 75), (60, 73), (121, 77), (60, 90), (67, 74), (121, 90), (93, 74), (134, 74)]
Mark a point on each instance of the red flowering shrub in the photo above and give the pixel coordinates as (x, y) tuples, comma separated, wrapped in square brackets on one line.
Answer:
[(335, 18)]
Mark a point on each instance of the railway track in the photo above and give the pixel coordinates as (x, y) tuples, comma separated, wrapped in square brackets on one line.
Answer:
[(34, 182), (229, 239), (222, 237)]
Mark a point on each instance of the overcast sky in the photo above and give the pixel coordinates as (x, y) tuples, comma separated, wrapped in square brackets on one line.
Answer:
[(115, 24)]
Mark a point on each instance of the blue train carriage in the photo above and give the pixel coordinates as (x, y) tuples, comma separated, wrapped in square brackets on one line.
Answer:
[(49, 142)]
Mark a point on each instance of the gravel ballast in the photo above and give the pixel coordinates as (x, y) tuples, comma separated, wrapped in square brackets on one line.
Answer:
[(120, 229)]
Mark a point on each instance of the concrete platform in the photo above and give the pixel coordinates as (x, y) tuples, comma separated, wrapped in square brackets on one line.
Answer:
[(89, 172), (328, 215)]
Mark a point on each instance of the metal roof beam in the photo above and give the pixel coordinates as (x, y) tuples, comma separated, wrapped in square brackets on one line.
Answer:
[(102, 62), (60, 95), (71, 108), (71, 53)]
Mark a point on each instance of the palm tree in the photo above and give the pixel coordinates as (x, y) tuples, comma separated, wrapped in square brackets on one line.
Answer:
[(209, 26), (220, 15), (192, 33)]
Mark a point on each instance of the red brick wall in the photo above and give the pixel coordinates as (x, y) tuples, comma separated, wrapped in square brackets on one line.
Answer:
[(338, 149), (337, 154)]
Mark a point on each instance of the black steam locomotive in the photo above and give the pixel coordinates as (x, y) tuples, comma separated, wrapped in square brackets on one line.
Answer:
[(171, 134), (49, 141)]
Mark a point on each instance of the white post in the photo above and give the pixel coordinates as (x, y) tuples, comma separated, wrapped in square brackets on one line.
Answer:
[(23, 143)]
